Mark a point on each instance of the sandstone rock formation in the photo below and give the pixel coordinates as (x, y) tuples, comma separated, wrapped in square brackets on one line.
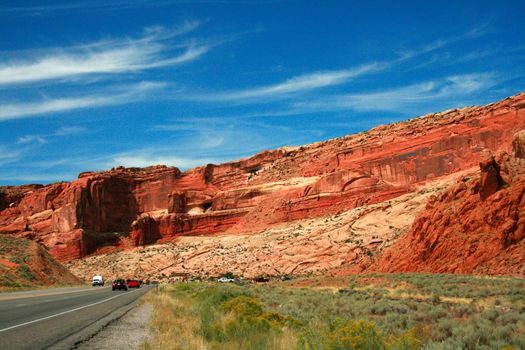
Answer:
[(477, 226), (11, 195), (104, 212), (340, 243)]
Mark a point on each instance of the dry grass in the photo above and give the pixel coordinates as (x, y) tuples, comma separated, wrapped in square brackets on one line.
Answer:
[(174, 324), (286, 341), (177, 323), (399, 293)]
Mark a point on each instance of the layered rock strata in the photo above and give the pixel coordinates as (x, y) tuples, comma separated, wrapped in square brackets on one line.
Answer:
[(477, 226), (125, 207)]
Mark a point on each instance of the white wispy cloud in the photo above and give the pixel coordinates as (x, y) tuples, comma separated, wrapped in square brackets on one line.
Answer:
[(43, 139), (31, 139), (321, 79), (152, 50), (58, 105), (405, 98), (7, 155), (205, 133), (95, 5), (73, 6), (69, 130), (472, 33), (301, 83), (24, 110)]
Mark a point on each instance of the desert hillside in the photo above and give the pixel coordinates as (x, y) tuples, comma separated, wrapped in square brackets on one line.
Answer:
[(24, 263), (328, 206)]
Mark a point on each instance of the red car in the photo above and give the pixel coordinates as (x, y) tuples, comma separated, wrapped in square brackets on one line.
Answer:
[(133, 284)]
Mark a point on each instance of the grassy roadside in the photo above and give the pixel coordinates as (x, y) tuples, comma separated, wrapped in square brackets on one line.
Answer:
[(401, 311), (174, 323)]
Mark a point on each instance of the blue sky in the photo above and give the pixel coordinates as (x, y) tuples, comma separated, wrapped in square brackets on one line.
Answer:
[(88, 85)]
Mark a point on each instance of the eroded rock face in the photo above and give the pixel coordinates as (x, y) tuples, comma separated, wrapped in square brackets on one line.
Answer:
[(177, 202), (126, 207), (491, 180), (322, 245), (477, 226), (144, 230), (75, 219), (11, 195), (518, 144)]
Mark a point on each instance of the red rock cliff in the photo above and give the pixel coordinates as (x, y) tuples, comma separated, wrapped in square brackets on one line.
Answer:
[(478, 226), (122, 207)]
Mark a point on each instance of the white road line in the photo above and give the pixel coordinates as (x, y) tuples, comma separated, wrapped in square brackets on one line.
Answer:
[(65, 312)]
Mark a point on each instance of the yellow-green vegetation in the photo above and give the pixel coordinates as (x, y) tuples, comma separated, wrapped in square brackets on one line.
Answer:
[(400, 311)]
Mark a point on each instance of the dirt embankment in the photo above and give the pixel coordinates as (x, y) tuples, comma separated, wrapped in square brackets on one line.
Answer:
[(24, 263)]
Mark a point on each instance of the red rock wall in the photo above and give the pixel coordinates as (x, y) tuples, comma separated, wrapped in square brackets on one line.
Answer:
[(11, 195), (478, 226), (148, 229), (127, 207)]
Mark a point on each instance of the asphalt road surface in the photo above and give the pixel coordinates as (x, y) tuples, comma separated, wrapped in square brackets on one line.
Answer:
[(62, 317)]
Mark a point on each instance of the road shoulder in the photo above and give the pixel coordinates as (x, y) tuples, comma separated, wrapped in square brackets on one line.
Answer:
[(129, 331)]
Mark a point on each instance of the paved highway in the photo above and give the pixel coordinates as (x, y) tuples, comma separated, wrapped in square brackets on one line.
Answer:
[(59, 318)]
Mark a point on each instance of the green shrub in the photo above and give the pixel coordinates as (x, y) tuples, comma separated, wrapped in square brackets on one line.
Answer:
[(446, 345), (443, 329), (355, 335), (250, 331), (233, 321), (26, 272), (216, 295), (321, 319), (281, 320), (243, 307), (406, 341)]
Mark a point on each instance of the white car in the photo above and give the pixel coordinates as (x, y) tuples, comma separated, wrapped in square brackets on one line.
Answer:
[(225, 280), (97, 281)]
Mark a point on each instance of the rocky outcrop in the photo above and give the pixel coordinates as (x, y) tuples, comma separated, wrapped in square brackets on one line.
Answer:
[(11, 195), (126, 207), (324, 245), (477, 226), (75, 219)]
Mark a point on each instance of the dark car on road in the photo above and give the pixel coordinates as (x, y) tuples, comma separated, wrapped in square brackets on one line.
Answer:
[(119, 284)]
